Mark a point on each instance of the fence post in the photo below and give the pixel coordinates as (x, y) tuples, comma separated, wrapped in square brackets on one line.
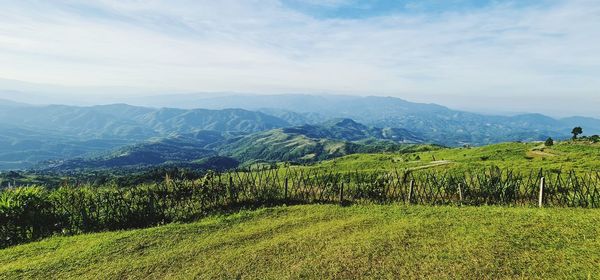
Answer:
[(342, 194), (411, 191), (460, 197), (231, 191), (541, 196), (285, 195)]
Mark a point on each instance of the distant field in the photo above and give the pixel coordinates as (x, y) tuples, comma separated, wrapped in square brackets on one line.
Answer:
[(324, 242), (517, 156)]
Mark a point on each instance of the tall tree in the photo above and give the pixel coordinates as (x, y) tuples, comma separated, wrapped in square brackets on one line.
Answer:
[(576, 131)]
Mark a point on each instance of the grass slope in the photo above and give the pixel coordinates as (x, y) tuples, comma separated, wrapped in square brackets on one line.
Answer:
[(324, 241), (578, 156)]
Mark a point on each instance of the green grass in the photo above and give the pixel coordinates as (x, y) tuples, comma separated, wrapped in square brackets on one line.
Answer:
[(577, 156), (325, 241)]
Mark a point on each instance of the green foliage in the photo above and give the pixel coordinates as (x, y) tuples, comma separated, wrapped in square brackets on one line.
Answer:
[(549, 142), (576, 131), (25, 214)]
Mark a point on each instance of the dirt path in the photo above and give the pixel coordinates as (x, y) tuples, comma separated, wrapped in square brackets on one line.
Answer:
[(431, 164), (540, 153)]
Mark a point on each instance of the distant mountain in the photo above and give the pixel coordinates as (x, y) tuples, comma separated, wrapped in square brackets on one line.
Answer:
[(306, 143), (294, 118), (132, 122), (20, 148), (590, 125), (184, 121), (37, 133), (349, 130), (317, 142), (433, 122), (8, 103), (178, 149), (283, 127)]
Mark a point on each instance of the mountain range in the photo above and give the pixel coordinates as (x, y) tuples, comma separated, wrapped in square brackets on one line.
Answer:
[(250, 128), (305, 143)]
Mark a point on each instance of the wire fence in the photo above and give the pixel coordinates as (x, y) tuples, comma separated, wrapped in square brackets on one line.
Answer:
[(31, 213), (492, 186)]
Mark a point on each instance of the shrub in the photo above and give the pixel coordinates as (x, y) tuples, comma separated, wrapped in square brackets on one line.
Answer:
[(25, 214)]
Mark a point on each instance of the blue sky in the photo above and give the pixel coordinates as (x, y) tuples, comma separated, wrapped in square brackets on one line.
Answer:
[(355, 9), (490, 56)]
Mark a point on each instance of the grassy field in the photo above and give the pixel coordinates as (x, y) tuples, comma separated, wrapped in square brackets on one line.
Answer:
[(325, 241), (576, 156)]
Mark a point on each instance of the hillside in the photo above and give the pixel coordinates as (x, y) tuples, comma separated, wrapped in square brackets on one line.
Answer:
[(277, 145), (317, 142), (177, 149), (565, 156), (330, 242), (349, 130)]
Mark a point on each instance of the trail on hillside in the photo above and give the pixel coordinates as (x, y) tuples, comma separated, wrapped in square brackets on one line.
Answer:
[(431, 164), (540, 153)]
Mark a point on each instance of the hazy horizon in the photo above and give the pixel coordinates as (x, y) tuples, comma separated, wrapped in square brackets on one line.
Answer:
[(495, 57)]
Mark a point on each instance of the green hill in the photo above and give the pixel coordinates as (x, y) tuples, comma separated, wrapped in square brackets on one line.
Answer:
[(349, 130), (276, 145), (309, 143), (568, 155), (330, 242)]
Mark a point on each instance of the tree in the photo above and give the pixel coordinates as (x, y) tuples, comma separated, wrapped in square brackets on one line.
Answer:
[(549, 142), (576, 131)]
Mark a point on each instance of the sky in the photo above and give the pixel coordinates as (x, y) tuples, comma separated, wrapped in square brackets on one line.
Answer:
[(478, 55)]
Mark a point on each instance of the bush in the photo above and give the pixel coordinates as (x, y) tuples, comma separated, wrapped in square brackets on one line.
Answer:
[(25, 214)]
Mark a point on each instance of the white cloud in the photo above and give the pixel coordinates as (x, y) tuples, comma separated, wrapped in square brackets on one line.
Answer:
[(500, 52)]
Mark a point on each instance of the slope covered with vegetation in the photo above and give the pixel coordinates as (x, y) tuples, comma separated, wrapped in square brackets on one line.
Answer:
[(310, 143), (331, 242), (565, 156)]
